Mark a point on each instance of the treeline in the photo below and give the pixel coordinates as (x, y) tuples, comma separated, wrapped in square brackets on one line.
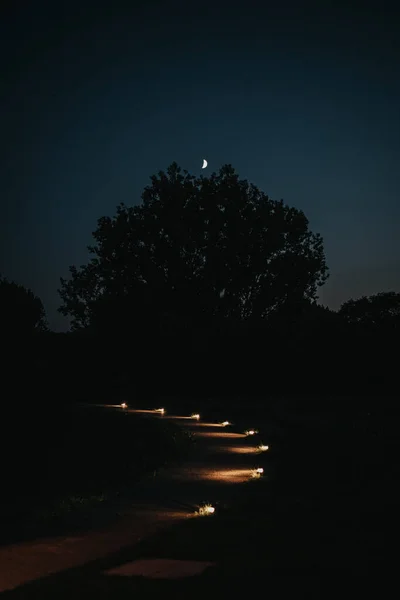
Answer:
[(320, 354), (207, 287)]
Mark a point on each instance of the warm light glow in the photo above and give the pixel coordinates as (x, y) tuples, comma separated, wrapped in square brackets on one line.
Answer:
[(263, 448), (251, 432), (205, 510), (160, 410), (226, 476), (225, 423), (256, 474), (223, 476), (179, 417), (220, 434), (237, 449), (195, 416), (124, 405)]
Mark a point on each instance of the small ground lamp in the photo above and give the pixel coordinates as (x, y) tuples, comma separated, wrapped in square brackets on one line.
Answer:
[(256, 474), (206, 510), (250, 432)]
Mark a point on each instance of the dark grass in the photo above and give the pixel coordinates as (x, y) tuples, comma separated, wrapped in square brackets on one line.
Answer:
[(64, 467), (322, 523)]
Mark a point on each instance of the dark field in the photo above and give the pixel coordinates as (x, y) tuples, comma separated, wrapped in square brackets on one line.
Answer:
[(61, 466)]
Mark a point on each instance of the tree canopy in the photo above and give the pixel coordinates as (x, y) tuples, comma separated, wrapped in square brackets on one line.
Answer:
[(21, 311), (377, 311), (195, 249)]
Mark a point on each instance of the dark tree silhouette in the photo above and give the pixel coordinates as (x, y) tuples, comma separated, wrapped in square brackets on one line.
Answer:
[(196, 249), (379, 311), (21, 311)]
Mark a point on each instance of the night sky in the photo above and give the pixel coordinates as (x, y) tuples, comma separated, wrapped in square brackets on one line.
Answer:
[(303, 100)]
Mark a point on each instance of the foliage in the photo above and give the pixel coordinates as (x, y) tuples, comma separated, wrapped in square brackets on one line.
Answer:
[(195, 249), (378, 311), (21, 311)]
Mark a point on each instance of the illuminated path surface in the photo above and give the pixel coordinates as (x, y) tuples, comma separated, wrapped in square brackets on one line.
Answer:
[(222, 460)]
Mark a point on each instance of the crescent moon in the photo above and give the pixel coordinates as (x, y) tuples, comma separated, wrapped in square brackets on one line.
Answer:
[(205, 163)]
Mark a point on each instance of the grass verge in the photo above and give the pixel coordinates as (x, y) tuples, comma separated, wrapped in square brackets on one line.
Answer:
[(66, 466)]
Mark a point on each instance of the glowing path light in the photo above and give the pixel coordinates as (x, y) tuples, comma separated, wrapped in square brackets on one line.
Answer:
[(263, 448), (225, 423), (195, 416), (256, 474), (124, 405), (160, 410), (251, 432), (205, 510)]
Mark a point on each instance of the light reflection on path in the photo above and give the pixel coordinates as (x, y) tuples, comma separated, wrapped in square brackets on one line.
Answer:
[(221, 435)]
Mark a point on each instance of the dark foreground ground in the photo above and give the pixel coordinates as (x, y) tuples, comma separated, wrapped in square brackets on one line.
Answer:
[(321, 521), (64, 467)]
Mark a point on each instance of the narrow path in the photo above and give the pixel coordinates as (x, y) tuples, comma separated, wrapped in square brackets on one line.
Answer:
[(223, 458)]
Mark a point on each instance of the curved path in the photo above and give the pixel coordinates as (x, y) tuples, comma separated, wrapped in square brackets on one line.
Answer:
[(223, 458)]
